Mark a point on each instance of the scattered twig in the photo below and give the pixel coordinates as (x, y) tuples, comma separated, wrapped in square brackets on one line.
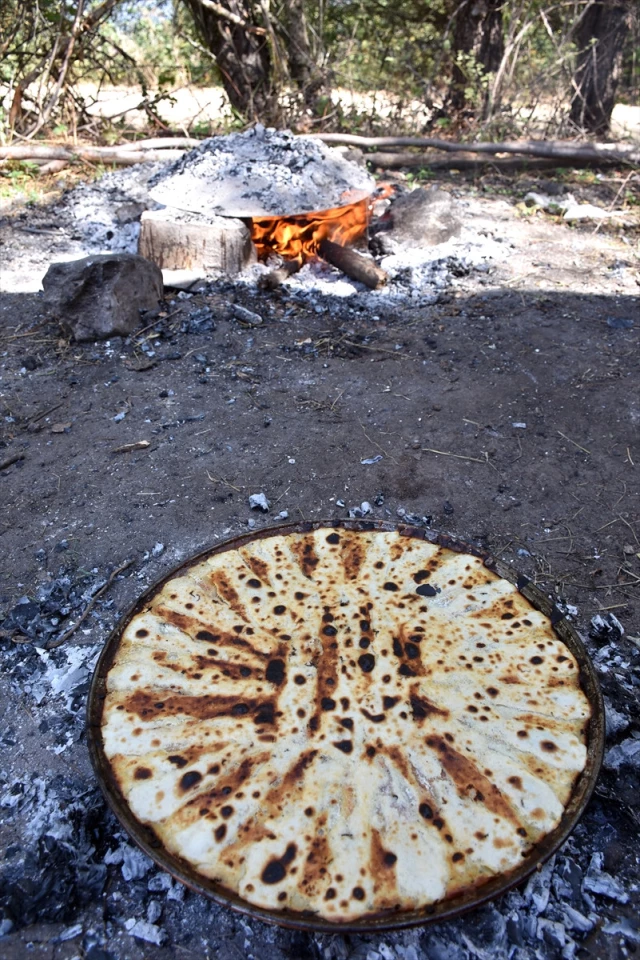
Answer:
[(225, 483), (383, 452), (159, 143), (458, 456), (155, 322), (635, 536), (41, 416), (364, 346), (282, 495), (89, 607), (605, 525), (337, 398), (569, 440), (11, 460)]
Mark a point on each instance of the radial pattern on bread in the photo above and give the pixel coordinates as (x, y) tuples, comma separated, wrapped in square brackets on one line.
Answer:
[(344, 722)]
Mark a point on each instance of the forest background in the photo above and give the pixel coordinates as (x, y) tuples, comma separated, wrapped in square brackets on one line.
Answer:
[(464, 69)]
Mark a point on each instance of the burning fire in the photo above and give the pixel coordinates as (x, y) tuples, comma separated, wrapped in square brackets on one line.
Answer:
[(298, 237)]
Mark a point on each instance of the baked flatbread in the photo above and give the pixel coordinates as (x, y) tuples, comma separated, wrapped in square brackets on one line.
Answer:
[(344, 722)]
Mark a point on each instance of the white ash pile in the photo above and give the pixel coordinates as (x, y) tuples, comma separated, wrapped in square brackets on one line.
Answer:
[(94, 217), (259, 173)]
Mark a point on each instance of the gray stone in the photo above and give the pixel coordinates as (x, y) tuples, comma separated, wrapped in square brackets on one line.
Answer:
[(623, 928), (101, 296), (258, 501), (424, 216)]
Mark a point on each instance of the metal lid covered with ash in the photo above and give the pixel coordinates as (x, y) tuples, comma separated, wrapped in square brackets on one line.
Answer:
[(260, 173)]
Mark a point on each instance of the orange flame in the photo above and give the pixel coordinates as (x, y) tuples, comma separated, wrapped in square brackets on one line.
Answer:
[(297, 237)]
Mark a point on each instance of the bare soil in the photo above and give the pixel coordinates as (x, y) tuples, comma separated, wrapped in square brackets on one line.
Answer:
[(507, 414)]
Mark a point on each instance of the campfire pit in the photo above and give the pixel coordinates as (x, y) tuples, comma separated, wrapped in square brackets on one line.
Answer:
[(292, 196)]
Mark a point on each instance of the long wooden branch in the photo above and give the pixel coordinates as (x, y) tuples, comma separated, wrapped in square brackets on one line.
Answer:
[(159, 143), (96, 154), (398, 161), (553, 149), (170, 148)]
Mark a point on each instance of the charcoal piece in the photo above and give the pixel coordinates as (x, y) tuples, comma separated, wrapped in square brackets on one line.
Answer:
[(626, 753), (200, 321), (101, 296), (96, 952), (23, 618), (606, 628)]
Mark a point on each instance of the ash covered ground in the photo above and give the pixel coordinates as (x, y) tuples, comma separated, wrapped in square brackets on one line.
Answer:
[(493, 396)]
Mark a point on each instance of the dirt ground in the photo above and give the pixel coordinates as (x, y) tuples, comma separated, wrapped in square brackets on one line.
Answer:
[(507, 413)]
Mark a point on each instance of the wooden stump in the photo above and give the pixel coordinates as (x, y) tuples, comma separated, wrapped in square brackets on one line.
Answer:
[(179, 240)]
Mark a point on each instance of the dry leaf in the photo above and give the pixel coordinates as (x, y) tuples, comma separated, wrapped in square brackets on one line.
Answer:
[(60, 427)]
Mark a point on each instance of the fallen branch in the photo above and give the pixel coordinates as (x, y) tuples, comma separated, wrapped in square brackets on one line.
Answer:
[(159, 143), (551, 149), (118, 155), (353, 264), (87, 610), (396, 161)]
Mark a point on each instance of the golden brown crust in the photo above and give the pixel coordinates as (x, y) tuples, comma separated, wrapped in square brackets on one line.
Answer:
[(344, 722)]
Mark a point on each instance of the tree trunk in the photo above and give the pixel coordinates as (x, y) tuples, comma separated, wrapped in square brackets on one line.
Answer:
[(305, 73), (599, 36), (260, 54), (235, 33), (478, 47)]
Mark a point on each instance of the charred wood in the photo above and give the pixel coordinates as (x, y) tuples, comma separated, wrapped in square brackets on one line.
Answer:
[(353, 264)]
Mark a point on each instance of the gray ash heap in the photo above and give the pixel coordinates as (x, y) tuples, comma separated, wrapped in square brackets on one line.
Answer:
[(260, 173)]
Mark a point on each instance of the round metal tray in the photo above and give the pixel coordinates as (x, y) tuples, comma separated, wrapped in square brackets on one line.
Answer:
[(442, 910)]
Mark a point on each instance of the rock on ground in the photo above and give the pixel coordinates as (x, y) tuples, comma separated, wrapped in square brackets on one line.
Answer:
[(101, 296)]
